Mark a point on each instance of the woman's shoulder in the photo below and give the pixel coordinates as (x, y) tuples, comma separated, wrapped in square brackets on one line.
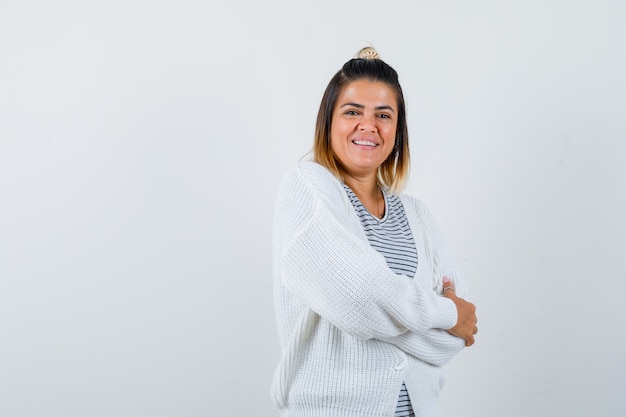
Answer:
[(311, 174), (315, 172), (314, 183), (412, 202), (419, 208)]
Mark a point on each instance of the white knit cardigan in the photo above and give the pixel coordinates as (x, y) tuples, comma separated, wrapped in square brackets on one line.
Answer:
[(351, 330)]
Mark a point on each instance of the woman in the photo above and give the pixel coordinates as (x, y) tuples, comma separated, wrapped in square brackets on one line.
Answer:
[(366, 313)]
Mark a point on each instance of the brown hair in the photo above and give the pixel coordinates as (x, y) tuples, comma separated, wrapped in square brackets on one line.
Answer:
[(393, 173)]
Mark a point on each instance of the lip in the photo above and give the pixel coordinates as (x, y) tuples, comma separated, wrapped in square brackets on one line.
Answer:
[(365, 143)]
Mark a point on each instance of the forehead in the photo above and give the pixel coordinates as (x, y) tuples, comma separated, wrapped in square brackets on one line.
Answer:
[(367, 92)]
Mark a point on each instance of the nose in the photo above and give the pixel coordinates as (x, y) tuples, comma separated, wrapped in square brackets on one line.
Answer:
[(367, 123)]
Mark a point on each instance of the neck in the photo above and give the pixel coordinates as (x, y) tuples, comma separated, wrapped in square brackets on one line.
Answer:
[(366, 187), (368, 192)]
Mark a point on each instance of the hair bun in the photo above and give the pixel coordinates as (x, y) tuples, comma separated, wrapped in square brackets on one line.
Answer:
[(367, 53)]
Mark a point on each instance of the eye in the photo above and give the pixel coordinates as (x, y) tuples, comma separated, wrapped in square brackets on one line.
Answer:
[(384, 116), (351, 113)]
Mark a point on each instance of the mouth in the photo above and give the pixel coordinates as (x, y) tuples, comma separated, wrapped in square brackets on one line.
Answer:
[(365, 143)]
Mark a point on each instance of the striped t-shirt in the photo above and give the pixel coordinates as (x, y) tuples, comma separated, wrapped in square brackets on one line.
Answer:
[(392, 238)]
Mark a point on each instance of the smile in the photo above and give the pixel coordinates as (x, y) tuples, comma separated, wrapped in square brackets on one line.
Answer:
[(364, 143)]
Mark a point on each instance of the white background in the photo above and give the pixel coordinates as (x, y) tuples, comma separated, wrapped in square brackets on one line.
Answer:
[(141, 146)]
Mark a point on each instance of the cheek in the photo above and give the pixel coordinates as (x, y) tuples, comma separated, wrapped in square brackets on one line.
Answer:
[(334, 142), (390, 134), (338, 134)]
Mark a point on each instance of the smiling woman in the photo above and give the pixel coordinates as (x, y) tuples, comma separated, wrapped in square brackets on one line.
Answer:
[(368, 298), (370, 79), (363, 131)]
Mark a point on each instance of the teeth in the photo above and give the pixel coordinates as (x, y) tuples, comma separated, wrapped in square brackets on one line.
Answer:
[(363, 142)]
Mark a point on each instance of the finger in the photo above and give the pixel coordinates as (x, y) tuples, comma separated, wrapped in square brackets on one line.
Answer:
[(447, 282), (448, 286), (447, 291)]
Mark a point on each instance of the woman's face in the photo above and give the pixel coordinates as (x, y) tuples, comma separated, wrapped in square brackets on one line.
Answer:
[(363, 129)]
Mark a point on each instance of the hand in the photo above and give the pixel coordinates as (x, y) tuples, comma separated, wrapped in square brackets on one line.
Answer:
[(465, 327)]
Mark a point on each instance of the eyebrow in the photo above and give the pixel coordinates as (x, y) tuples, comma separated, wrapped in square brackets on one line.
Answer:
[(360, 106)]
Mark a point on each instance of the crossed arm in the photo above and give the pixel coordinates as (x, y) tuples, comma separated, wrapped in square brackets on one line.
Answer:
[(347, 282)]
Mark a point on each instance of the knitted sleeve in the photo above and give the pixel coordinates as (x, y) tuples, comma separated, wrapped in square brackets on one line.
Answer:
[(338, 274), (434, 346)]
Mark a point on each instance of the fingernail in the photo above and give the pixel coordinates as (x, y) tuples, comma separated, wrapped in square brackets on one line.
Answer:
[(446, 279)]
